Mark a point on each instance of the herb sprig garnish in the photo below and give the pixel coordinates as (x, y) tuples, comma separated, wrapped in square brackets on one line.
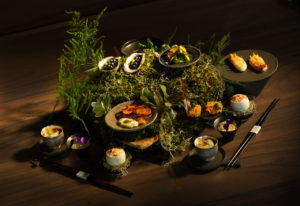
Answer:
[(83, 50)]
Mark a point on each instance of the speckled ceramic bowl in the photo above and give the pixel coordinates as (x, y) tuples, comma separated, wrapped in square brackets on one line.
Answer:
[(206, 154), (53, 142)]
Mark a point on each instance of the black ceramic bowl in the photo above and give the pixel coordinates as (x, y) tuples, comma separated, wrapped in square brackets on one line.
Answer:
[(132, 46), (193, 53), (227, 135)]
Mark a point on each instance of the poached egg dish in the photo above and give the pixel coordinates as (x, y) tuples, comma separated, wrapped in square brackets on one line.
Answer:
[(239, 102), (115, 156)]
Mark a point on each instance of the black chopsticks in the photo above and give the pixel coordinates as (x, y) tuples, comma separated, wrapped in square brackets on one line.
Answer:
[(85, 176), (254, 131)]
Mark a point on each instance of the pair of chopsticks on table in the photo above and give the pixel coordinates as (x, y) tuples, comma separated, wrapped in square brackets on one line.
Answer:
[(84, 176), (253, 132)]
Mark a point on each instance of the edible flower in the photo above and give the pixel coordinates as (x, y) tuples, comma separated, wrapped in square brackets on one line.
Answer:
[(83, 140), (195, 112), (53, 131), (228, 122), (214, 108)]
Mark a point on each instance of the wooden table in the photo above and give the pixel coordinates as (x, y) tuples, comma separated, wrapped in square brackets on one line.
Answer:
[(270, 172)]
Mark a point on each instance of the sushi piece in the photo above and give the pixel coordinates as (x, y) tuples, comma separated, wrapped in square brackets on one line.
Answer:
[(238, 62), (115, 156), (258, 63), (239, 102)]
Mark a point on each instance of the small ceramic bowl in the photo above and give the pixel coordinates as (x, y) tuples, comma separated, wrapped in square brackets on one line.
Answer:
[(229, 134), (206, 153), (80, 148), (52, 142)]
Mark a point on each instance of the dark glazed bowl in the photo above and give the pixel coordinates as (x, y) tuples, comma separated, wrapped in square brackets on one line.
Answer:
[(132, 46), (228, 136), (193, 52)]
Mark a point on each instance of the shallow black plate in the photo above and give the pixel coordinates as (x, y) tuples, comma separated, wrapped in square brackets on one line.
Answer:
[(43, 149), (202, 166), (250, 75), (193, 53), (132, 46)]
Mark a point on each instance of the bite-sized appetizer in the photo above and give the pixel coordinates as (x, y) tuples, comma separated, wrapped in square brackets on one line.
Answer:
[(258, 63), (214, 108), (239, 102), (128, 122), (134, 62), (238, 62), (195, 112), (109, 64), (115, 156)]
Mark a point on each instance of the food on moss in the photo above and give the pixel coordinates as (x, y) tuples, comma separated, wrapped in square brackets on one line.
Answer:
[(134, 62), (258, 63), (195, 112), (79, 88), (214, 108), (109, 64), (238, 62), (204, 83)]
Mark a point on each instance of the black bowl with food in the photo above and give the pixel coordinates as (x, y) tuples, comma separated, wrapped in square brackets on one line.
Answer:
[(136, 45), (181, 56)]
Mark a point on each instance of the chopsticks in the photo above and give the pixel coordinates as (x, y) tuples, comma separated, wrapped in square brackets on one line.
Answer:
[(254, 131), (85, 176)]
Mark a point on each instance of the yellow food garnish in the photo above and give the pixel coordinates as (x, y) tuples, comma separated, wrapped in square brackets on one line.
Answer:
[(214, 107), (195, 112)]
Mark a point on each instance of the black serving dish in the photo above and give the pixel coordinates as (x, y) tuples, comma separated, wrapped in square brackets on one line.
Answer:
[(193, 53), (45, 150), (132, 46), (252, 81), (200, 166)]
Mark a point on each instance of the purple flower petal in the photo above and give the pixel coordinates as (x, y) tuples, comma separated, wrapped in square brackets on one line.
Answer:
[(83, 140), (226, 126), (229, 121), (77, 139)]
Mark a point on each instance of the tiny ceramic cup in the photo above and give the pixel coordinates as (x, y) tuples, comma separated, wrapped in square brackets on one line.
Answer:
[(50, 139), (229, 134), (207, 152), (81, 148)]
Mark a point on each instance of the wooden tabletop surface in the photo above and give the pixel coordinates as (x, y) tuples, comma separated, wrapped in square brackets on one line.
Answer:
[(270, 166)]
